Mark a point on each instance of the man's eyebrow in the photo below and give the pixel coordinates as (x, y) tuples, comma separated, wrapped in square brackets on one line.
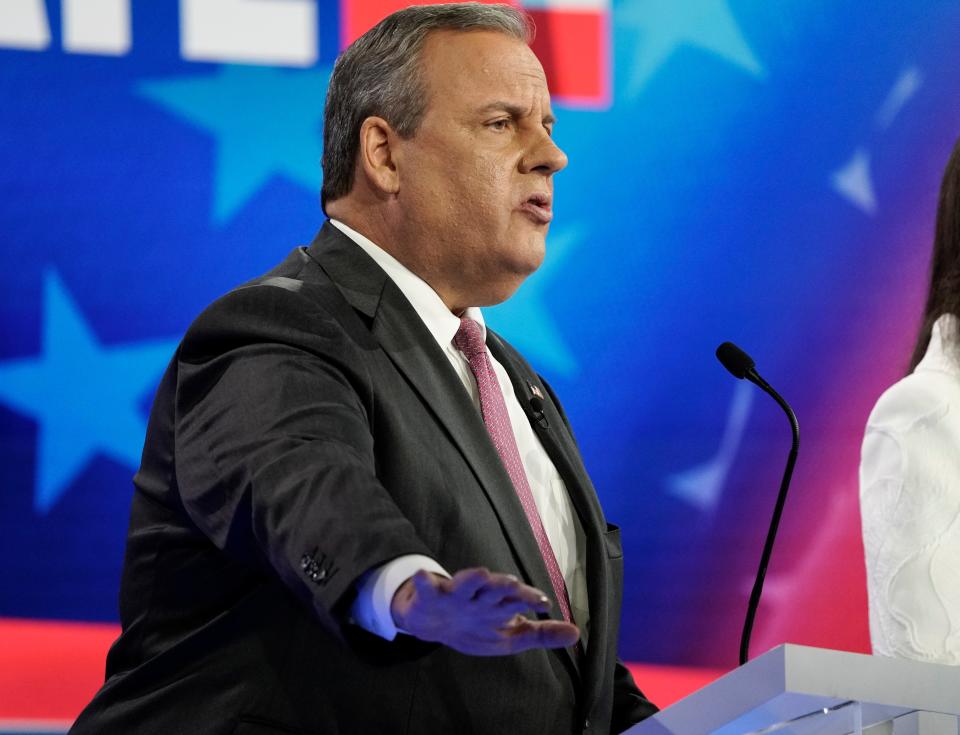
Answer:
[(514, 110)]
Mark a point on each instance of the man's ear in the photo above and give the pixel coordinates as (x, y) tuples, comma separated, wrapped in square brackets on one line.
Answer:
[(376, 155)]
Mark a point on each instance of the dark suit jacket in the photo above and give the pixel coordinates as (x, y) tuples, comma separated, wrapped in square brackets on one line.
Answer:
[(309, 429)]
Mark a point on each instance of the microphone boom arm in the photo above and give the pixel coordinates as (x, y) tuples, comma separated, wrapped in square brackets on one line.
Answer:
[(754, 603)]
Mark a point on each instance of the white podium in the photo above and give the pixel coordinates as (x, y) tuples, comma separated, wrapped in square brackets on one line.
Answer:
[(797, 690)]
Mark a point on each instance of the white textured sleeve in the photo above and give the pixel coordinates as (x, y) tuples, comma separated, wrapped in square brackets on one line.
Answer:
[(910, 509), (880, 458), (881, 483), (371, 609)]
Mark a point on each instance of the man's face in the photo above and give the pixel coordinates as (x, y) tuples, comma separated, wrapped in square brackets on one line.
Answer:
[(476, 186)]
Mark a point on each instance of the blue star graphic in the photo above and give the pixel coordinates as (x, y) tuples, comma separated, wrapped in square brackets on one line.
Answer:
[(526, 321), (84, 396), (664, 26), (265, 122)]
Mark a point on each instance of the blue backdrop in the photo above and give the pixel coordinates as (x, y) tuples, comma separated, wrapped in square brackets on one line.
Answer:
[(762, 172)]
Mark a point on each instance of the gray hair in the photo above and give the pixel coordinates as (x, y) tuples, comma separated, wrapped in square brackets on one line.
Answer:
[(379, 75)]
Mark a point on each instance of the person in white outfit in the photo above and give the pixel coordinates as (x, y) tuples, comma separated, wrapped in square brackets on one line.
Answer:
[(910, 472)]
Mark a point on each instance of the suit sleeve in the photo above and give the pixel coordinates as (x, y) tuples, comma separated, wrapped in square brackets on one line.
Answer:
[(275, 457)]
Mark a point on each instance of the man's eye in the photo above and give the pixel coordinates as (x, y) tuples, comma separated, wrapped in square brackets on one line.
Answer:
[(502, 124)]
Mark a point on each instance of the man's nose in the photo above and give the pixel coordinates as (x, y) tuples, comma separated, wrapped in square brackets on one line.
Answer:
[(544, 156)]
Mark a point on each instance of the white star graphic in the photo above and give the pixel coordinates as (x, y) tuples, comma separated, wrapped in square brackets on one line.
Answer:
[(702, 485), (855, 184)]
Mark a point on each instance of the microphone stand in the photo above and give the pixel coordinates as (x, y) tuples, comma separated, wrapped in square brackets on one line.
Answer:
[(754, 603)]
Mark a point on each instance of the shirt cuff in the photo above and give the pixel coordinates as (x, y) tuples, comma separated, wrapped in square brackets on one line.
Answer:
[(371, 609)]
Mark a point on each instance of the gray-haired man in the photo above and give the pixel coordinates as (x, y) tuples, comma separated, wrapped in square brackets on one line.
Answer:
[(359, 510)]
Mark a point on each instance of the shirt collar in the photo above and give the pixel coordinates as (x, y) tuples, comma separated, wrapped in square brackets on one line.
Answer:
[(942, 353), (439, 320)]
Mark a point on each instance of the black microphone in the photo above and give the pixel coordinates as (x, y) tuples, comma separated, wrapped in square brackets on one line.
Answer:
[(742, 366), (735, 360)]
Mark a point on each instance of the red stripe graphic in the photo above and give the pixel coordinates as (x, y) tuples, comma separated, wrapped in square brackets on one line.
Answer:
[(572, 45), (49, 670)]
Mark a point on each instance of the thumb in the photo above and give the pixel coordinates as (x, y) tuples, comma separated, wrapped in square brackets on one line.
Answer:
[(424, 584), (525, 634)]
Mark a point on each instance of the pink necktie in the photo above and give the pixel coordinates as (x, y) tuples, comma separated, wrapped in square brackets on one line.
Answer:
[(469, 340)]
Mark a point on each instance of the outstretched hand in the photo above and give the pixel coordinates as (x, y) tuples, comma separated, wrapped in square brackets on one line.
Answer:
[(478, 612)]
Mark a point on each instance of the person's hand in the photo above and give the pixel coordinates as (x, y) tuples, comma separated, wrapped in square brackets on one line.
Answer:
[(478, 612)]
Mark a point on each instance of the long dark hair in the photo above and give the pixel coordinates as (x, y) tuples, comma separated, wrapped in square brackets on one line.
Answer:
[(944, 294)]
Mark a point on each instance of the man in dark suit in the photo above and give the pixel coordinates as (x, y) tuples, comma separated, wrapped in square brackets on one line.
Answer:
[(358, 510)]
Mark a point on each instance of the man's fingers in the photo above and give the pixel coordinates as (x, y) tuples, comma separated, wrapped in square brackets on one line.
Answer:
[(523, 634), (533, 598), (478, 612), (557, 634), (467, 582), (500, 588), (500, 616)]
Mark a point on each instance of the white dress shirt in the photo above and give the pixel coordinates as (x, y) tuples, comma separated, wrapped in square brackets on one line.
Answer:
[(371, 610), (910, 508)]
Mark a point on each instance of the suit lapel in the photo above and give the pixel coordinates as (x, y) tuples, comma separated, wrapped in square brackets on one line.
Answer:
[(562, 450), (554, 436), (413, 350)]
